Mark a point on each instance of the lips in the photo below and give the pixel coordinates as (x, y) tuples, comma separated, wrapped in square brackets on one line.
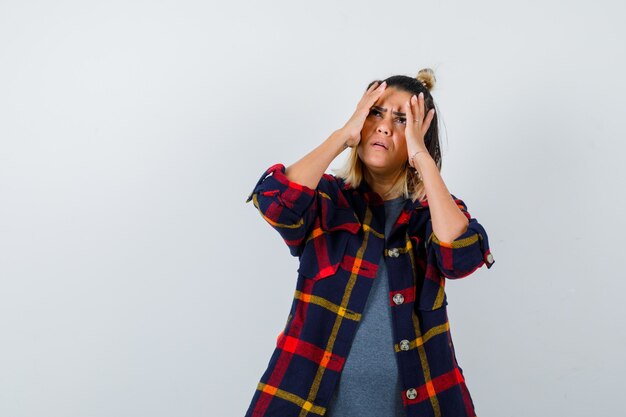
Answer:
[(380, 144)]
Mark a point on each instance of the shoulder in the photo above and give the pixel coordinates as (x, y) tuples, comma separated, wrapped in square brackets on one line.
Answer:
[(330, 187), (327, 181), (334, 188)]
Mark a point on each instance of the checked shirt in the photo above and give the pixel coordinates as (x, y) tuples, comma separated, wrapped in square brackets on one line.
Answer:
[(337, 232)]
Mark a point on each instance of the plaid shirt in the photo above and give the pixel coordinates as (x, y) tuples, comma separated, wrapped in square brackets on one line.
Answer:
[(338, 234)]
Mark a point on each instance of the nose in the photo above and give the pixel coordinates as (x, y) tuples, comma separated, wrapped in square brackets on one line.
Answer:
[(383, 127)]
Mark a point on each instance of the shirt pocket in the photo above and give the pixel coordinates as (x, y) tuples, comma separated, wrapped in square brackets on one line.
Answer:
[(435, 332), (432, 296), (430, 291), (326, 247), (428, 304), (323, 254), (433, 316)]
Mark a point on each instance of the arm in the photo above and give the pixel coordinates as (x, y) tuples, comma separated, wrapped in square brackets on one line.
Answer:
[(287, 198), (309, 169), (461, 256), (448, 221), (288, 207), (456, 243)]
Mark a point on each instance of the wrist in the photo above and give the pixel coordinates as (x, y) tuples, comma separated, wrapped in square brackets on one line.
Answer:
[(339, 140), (415, 154)]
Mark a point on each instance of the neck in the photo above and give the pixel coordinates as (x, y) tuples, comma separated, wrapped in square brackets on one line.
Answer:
[(383, 183)]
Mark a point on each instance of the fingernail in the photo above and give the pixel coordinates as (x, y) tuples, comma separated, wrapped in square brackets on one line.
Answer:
[(421, 94), (413, 98)]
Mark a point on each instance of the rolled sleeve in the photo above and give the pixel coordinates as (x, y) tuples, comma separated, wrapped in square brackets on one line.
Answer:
[(466, 253), (289, 207)]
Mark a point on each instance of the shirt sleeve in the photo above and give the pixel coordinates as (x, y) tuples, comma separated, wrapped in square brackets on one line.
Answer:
[(290, 208), (465, 254)]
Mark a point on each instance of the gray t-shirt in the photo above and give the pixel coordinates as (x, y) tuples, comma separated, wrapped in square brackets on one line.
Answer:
[(370, 383)]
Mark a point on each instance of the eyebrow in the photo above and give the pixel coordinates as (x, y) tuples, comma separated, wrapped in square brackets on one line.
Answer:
[(397, 113)]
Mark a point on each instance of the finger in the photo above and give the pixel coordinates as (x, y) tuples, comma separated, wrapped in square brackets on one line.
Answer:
[(417, 118), (415, 108), (429, 117), (409, 114), (374, 95), (380, 87), (370, 96), (374, 86), (371, 88), (420, 102)]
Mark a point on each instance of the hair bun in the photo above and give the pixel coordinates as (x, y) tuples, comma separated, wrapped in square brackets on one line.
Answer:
[(427, 77)]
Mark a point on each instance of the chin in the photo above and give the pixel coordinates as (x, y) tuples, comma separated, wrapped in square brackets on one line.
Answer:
[(379, 161), (378, 167)]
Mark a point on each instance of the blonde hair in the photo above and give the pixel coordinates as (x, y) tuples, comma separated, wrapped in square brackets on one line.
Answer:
[(409, 184)]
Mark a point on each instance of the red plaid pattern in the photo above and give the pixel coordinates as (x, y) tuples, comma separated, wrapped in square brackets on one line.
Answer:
[(338, 234)]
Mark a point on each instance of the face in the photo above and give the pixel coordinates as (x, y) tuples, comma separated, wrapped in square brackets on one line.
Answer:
[(386, 126)]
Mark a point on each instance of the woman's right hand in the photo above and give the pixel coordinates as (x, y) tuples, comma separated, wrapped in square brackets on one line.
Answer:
[(352, 129)]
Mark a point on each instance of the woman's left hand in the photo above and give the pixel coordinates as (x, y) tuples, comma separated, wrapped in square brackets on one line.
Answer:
[(417, 124)]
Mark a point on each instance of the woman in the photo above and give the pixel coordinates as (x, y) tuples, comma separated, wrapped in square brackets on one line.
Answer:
[(368, 332)]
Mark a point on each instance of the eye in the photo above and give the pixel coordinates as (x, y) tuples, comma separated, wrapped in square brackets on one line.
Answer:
[(402, 120), (375, 112)]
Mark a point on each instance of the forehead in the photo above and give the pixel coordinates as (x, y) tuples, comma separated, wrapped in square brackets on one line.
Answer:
[(393, 98)]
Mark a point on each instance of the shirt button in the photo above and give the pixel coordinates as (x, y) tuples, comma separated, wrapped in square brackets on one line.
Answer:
[(394, 253), (404, 345), (489, 258), (398, 298), (411, 393)]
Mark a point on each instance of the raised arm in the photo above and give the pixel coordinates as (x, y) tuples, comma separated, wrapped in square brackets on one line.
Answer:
[(287, 197), (457, 243), (310, 168)]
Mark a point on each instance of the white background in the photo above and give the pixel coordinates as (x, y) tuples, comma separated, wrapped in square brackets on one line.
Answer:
[(135, 281)]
